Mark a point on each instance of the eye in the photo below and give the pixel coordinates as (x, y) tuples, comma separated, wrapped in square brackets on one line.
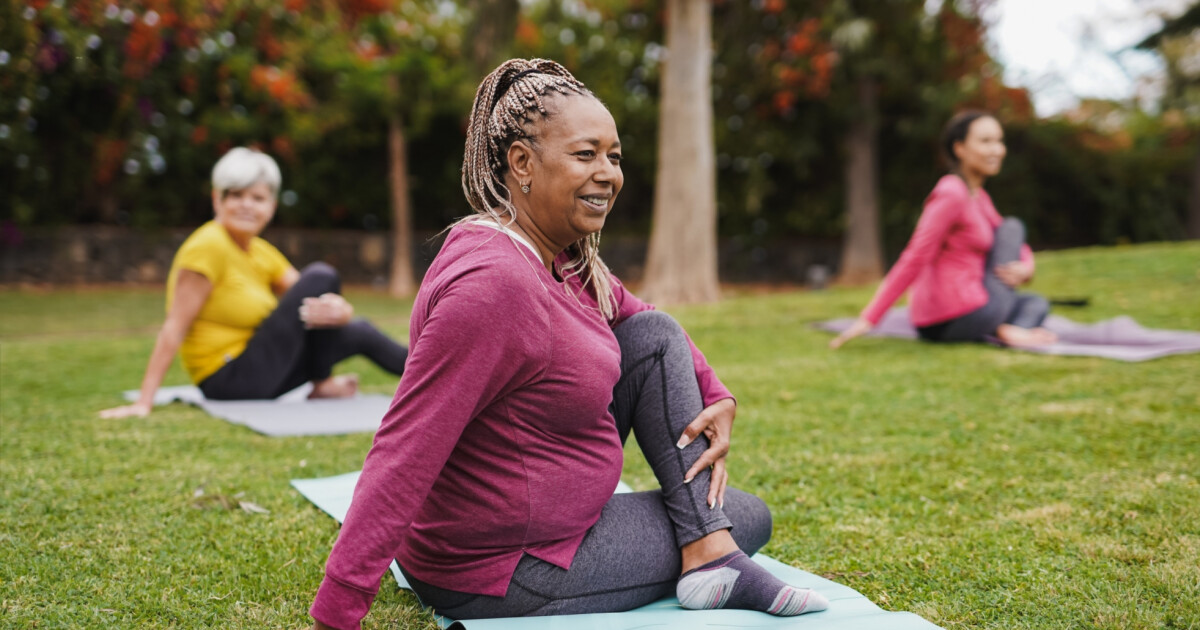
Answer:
[(615, 158), (586, 154)]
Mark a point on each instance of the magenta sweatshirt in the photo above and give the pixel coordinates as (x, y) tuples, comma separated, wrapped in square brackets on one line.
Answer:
[(499, 441), (945, 258)]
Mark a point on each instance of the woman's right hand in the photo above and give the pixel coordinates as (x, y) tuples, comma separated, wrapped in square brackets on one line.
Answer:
[(141, 410), (328, 311), (859, 328)]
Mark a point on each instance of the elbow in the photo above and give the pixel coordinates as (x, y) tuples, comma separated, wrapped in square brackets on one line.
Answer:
[(171, 336)]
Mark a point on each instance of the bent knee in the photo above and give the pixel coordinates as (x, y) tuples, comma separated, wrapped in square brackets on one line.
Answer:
[(652, 323), (1012, 227), (324, 275)]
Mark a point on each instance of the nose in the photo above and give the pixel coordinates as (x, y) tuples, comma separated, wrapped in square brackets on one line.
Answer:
[(606, 172)]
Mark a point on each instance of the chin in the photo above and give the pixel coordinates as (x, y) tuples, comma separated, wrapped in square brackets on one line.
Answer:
[(595, 226)]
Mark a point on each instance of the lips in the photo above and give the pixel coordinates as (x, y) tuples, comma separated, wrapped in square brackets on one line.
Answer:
[(596, 201)]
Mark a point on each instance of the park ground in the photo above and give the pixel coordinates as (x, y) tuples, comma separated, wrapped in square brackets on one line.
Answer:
[(977, 487)]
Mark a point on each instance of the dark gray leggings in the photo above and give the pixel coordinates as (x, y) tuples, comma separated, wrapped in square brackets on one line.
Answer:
[(1004, 305), (283, 355), (630, 557)]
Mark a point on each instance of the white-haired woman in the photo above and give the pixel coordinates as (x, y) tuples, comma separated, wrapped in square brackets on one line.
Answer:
[(491, 477), (246, 323)]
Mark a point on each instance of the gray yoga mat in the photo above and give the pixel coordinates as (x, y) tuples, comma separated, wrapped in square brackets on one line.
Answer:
[(848, 609), (1120, 338), (292, 414)]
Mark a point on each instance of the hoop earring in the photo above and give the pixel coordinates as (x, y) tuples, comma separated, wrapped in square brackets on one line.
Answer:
[(525, 188)]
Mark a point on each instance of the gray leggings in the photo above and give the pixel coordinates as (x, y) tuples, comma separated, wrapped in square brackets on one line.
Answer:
[(630, 557), (1004, 305)]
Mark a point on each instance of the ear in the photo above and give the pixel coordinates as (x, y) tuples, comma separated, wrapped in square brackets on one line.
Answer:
[(957, 148), (520, 161), (216, 199)]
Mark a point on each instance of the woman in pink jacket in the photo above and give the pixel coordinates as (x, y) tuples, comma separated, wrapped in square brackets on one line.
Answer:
[(964, 261), (491, 478)]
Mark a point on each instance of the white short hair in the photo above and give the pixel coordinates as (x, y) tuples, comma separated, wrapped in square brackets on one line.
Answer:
[(242, 168)]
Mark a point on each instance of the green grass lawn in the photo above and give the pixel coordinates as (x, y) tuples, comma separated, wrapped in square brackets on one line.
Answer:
[(976, 487)]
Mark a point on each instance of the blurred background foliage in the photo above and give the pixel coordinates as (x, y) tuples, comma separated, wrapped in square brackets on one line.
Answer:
[(114, 112)]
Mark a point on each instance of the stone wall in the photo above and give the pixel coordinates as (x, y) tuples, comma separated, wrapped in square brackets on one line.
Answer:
[(106, 254)]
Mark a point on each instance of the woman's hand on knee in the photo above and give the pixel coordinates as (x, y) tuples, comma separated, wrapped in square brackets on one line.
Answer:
[(1015, 273), (715, 422), (328, 311)]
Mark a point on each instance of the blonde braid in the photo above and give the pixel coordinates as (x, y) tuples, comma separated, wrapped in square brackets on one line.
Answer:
[(508, 103)]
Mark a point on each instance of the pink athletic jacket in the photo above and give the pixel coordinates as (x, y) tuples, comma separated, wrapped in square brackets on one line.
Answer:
[(499, 441), (945, 258)]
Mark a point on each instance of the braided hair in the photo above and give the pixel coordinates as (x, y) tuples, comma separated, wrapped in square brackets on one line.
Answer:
[(509, 103)]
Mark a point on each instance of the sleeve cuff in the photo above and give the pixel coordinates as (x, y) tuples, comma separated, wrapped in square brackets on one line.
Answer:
[(340, 606), (872, 314)]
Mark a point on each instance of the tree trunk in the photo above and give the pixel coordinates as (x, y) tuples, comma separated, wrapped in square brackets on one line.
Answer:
[(491, 31), (1193, 211), (401, 283), (681, 265), (862, 254)]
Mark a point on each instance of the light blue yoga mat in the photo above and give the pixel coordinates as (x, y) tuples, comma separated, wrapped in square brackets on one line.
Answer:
[(292, 414), (848, 609)]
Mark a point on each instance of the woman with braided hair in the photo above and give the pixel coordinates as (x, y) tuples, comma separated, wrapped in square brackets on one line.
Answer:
[(491, 477)]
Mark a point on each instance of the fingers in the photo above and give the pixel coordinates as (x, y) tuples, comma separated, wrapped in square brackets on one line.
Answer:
[(1007, 278), (855, 330), (718, 449), (1012, 274), (328, 311), (715, 422), (115, 412), (716, 487), (124, 412), (693, 429)]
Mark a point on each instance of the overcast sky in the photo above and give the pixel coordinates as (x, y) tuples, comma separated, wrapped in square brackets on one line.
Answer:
[(1066, 49)]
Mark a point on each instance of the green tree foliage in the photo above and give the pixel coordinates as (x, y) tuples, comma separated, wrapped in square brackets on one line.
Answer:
[(117, 114), (114, 112)]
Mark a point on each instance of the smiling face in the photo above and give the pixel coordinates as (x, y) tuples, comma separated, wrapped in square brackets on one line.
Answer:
[(573, 170), (981, 153), (244, 213)]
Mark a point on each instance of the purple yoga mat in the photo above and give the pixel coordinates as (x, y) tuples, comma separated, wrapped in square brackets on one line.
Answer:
[(1120, 338)]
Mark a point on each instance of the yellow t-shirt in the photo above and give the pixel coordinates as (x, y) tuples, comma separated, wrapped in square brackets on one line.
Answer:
[(241, 296)]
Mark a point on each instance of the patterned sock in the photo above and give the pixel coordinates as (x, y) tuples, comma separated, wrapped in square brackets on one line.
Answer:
[(736, 581)]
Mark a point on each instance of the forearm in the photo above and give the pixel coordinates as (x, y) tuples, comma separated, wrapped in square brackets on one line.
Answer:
[(165, 347), (711, 387)]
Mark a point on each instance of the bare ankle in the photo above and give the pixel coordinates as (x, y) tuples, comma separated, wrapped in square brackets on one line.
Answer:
[(704, 550), (341, 386), (1025, 337)]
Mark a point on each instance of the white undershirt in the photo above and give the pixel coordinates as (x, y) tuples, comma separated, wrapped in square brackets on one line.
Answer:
[(513, 235)]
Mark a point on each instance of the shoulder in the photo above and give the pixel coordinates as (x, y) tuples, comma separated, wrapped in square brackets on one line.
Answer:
[(948, 198), (265, 249), (951, 187), (207, 234), (208, 239), (484, 266)]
